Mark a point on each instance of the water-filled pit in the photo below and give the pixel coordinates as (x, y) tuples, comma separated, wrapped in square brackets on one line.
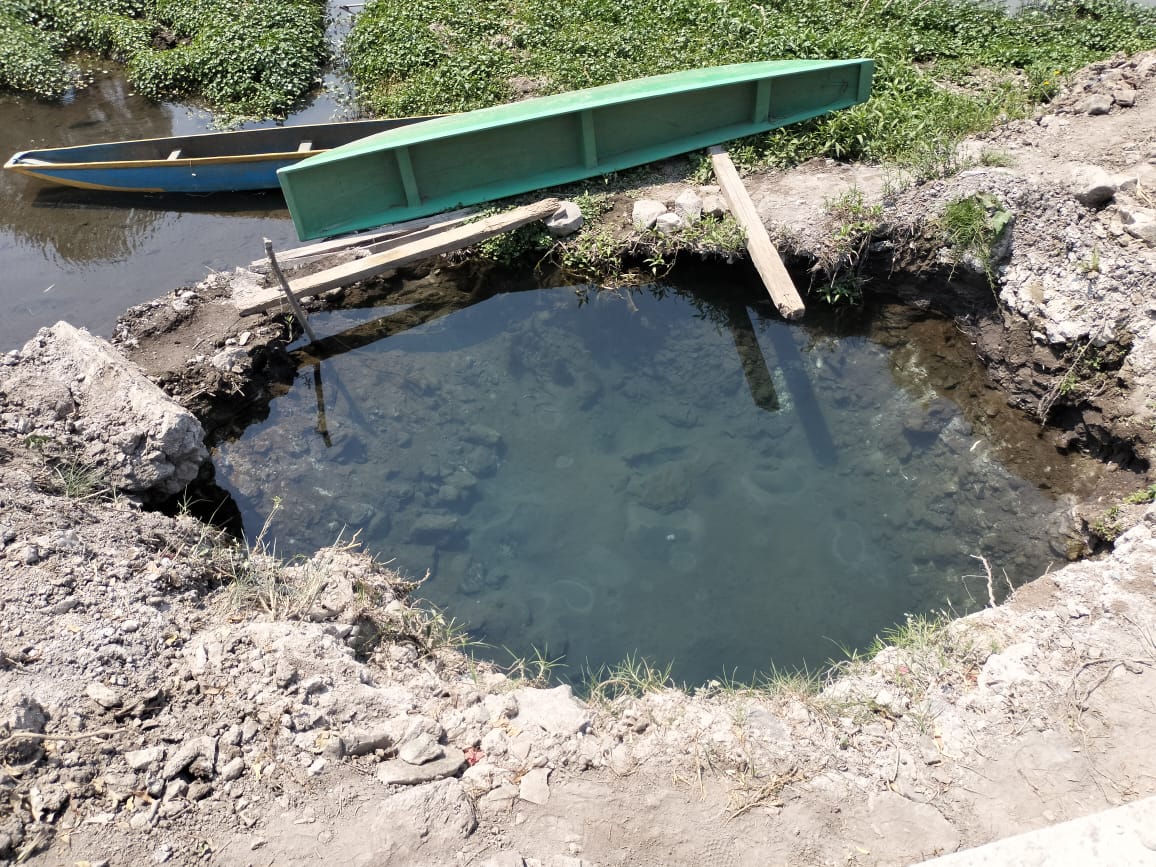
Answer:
[(665, 472)]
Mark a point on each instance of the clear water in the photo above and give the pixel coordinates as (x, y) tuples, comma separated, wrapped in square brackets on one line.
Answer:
[(653, 473)]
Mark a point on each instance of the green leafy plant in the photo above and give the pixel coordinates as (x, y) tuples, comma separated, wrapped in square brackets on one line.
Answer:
[(944, 68), (972, 225)]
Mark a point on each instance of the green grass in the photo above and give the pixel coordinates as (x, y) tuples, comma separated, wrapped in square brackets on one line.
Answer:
[(242, 59), (944, 68)]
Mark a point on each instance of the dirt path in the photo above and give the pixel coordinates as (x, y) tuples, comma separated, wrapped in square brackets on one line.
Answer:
[(152, 713)]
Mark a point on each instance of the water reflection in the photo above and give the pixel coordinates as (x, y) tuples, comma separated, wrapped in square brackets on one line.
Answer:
[(87, 256), (611, 477)]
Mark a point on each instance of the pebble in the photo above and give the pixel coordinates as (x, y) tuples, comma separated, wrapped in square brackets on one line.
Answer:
[(104, 696)]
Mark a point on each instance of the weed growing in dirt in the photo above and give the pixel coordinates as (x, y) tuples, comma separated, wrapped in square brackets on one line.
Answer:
[(80, 481), (972, 226), (635, 676), (538, 669), (853, 224)]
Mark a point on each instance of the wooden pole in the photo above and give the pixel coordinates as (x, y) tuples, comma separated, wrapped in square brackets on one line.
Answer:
[(297, 311), (763, 253)]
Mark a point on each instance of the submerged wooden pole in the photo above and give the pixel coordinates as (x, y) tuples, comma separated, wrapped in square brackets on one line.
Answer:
[(763, 253), (297, 311)]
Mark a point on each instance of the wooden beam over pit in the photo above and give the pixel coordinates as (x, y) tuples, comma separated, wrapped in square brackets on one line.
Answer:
[(403, 254), (774, 274)]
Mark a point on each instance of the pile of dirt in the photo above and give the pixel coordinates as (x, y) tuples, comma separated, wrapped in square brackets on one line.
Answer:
[(171, 697)]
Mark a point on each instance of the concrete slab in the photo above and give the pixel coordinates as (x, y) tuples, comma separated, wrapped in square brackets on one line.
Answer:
[(1121, 837)]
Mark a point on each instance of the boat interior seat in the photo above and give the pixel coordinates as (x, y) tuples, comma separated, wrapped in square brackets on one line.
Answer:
[(175, 155), (305, 146)]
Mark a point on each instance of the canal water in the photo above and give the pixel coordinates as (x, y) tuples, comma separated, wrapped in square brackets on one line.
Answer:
[(88, 256), (662, 472)]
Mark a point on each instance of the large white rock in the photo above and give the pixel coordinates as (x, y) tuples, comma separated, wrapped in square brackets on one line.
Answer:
[(646, 212), (143, 440)]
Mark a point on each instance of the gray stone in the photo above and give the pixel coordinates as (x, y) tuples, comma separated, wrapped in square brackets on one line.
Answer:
[(1092, 186), (397, 772), (105, 696), (505, 859), (1124, 97), (535, 786), (140, 760), (689, 205), (714, 205), (646, 212), (432, 529), (1097, 103), (670, 223), (362, 743), (555, 710), (433, 818), (233, 769), (565, 221), (25, 713), (1141, 223), (203, 749), (148, 441), (420, 750)]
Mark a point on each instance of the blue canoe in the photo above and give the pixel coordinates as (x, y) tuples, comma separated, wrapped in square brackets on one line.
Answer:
[(214, 162)]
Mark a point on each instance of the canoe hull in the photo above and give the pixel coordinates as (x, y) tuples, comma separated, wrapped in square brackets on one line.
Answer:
[(204, 163), (507, 150)]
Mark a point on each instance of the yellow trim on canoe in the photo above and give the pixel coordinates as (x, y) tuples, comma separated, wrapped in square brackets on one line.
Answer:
[(182, 161), (83, 185)]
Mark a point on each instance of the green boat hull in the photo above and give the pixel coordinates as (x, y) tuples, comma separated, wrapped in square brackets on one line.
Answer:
[(519, 147)]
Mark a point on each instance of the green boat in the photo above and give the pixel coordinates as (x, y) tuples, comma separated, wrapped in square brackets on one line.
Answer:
[(506, 150)]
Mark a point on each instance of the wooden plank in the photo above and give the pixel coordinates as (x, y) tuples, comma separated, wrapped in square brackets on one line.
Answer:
[(405, 254), (443, 220), (763, 253)]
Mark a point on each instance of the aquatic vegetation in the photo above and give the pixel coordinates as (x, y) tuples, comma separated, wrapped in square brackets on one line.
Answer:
[(243, 59), (944, 68)]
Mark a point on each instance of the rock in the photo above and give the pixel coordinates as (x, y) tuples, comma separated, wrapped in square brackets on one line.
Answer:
[(670, 223), (361, 743), (397, 772), (1125, 97), (432, 529), (535, 786), (554, 710), (233, 769), (202, 750), (1142, 225), (24, 713), (420, 750), (433, 818), (645, 213), (140, 760), (500, 799), (1092, 186), (565, 221), (505, 859), (105, 696), (148, 442), (689, 205), (1097, 103), (714, 205)]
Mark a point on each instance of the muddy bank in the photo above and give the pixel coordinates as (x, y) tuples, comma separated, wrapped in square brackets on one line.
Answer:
[(170, 697)]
